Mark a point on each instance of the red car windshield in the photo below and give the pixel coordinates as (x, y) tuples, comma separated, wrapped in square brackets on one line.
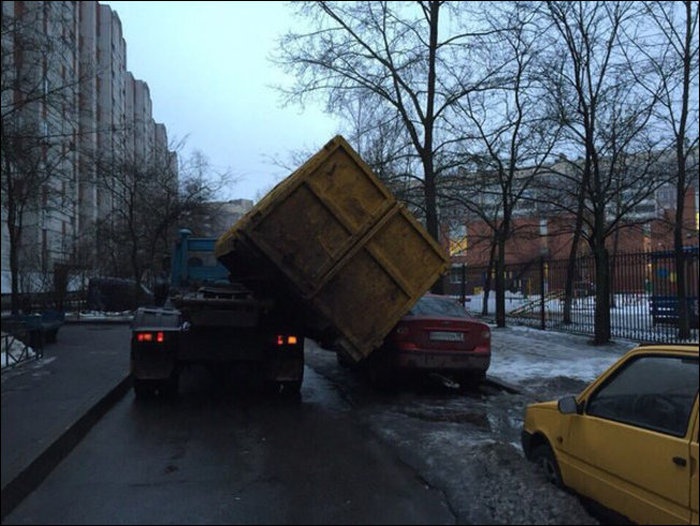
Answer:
[(438, 306)]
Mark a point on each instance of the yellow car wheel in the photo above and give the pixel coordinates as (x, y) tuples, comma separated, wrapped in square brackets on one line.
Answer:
[(544, 458)]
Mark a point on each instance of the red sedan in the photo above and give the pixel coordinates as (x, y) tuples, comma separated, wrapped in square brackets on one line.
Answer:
[(437, 336)]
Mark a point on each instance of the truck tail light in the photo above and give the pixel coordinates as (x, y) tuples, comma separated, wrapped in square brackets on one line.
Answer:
[(288, 339), (158, 337)]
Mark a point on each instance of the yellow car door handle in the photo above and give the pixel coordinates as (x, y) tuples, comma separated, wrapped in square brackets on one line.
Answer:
[(679, 461)]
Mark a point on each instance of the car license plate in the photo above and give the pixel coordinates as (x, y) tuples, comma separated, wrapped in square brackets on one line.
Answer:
[(446, 336)]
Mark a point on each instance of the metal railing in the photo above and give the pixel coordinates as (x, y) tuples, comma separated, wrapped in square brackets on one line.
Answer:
[(640, 283), (19, 343)]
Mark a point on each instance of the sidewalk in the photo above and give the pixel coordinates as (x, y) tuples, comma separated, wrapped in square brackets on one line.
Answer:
[(49, 404), (523, 355)]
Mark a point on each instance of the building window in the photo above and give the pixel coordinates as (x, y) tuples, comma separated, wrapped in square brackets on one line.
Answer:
[(458, 240), (457, 273)]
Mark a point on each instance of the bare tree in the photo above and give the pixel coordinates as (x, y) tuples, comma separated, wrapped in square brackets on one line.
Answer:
[(379, 136), (150, 201), (670, 52), (394, 55), (200, 207), (509, 131), (609, 125)]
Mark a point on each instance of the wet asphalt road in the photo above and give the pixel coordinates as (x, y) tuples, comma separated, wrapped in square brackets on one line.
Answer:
[(222, 456)]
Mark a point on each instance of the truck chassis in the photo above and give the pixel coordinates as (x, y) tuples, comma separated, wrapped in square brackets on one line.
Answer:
[(223, 327)]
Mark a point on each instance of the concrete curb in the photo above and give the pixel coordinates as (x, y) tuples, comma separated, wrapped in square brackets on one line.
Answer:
[(502, 385), (33, 475)]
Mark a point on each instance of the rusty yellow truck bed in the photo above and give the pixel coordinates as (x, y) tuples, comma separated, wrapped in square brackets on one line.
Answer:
[(335, 243)]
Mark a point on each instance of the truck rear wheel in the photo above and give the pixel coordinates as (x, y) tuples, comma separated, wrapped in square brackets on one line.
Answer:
[(143, 389), (169, 387)]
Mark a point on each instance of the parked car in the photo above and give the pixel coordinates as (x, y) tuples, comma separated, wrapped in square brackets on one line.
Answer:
[(437, 336), (117, 295), (628, 443), (35, 328)]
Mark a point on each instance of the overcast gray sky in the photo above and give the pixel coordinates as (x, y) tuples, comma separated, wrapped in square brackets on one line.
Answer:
[(207, 67)]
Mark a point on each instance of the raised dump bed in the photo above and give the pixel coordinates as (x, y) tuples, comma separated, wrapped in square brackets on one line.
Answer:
[(332, 242)]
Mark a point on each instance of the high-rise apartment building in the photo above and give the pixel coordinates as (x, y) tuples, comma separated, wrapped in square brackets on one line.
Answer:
[(73, 118)]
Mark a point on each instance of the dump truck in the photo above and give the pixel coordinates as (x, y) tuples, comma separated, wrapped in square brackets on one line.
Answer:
[(328, 254)]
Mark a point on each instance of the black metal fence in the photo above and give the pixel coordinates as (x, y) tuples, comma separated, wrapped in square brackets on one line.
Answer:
[(643, 298)]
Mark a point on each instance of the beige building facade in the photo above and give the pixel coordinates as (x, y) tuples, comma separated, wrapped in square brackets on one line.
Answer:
[(66, 87)]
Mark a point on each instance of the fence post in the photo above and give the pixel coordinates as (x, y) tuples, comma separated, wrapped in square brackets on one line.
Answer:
[(543, 323)]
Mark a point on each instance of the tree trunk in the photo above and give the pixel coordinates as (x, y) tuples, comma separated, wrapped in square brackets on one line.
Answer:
[(602, 331), (500, 282)]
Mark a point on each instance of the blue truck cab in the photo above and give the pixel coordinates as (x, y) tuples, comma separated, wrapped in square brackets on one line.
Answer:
[(194, 262)]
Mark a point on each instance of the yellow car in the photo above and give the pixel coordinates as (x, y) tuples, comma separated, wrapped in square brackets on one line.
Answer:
[(629, 441)]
